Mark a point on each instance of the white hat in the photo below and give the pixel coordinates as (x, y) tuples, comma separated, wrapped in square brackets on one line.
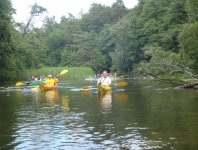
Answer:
[(49, 76)]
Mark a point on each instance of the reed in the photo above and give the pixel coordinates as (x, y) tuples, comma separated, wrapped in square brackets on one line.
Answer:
[(74, 72)]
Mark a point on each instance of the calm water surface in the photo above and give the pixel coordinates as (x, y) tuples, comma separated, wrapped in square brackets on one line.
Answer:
[(143, 115)]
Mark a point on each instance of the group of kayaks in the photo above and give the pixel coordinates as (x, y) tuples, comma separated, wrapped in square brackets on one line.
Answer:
[(51, 84), (47, 84)]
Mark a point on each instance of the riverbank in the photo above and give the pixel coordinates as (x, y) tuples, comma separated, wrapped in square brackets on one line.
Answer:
[(178, 80)]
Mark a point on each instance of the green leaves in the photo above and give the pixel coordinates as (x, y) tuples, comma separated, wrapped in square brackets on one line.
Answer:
[(7, 49), (158, 36), (189, 43), (164, 63)]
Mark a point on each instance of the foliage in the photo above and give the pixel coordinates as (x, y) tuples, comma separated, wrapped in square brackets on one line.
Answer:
[(36, 10), (7, 50), (189, 43), (106, 37), (164, 63)]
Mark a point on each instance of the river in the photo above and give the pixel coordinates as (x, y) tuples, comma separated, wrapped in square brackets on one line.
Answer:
[(142, 115)]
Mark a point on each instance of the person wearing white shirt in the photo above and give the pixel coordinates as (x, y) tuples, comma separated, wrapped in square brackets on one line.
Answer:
[(104, 80)]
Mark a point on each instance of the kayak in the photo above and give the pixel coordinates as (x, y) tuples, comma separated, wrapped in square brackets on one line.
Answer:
[(104, 88), (46, 87), (50, 84), (34, 83)]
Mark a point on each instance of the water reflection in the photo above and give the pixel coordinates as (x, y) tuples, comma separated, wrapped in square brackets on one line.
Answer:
[(65, 104), (105, 102), (137, 118), (122, 97), (86, 93), (52, 96)]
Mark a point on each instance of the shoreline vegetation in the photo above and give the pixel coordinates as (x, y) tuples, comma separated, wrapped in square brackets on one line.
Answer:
[(83, 73), (156, 38), (87, 74), (176, 80), (73, 72)]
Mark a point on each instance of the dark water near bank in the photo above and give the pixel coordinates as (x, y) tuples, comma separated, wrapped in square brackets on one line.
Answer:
[(143, 115)]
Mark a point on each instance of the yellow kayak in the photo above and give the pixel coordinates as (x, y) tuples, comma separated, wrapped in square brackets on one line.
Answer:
[(46, 87), (50, 84), (104, 88)]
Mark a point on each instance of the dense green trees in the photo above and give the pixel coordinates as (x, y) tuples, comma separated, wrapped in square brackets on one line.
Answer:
[(189, 36), (116, 38), (7, 49)]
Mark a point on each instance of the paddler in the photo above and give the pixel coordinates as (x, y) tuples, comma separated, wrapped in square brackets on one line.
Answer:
[(32, 79), (104, 80), (51, 81)]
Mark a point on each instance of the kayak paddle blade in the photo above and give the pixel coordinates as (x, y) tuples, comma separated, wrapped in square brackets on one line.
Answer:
[(85, 87), (19, 84), (122, 83), (63, 72)]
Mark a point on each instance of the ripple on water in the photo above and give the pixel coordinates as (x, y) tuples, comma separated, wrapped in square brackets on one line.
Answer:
[(45, 126), (73, 132)]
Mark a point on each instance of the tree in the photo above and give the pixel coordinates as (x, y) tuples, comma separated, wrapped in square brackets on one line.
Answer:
[(116, 38), (7, 49), (36, 10), (189, 43), (192, 7)]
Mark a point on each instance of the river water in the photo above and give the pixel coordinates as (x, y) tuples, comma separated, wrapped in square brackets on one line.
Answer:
[(143, 115)]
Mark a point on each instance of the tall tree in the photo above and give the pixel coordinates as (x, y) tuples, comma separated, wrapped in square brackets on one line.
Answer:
[(7, 61), (36, 10)]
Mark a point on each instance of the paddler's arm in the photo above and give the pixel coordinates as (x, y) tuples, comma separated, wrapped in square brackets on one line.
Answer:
[(109, 81)]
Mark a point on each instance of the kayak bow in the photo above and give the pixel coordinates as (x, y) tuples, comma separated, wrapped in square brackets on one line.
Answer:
[(46, 87), (49, 84), (104, 88)]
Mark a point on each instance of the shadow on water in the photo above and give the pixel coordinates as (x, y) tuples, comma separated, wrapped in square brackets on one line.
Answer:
[(143, 115)]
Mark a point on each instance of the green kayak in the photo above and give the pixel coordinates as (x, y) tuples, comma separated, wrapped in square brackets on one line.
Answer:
[(34, 83)]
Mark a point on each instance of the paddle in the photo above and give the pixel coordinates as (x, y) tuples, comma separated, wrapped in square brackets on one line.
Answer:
[(86, 87), (122, 83), (19, 83), (62, 73)]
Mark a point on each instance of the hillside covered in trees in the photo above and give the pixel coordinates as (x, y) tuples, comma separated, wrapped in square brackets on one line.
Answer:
[(156, 37)]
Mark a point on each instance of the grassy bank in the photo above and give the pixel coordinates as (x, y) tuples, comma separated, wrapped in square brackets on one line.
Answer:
[(78, 73)]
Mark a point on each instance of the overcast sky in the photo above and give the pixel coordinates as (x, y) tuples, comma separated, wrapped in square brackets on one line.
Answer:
[(59, 8)]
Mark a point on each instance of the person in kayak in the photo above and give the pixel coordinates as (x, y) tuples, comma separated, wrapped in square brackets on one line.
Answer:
[(41, 78), (104, 80), (50, 80), (32, 79)]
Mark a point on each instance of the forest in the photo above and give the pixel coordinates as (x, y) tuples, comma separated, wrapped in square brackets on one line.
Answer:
[(156, 37)]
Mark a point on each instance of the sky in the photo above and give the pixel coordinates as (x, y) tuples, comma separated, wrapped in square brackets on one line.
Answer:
[(59, 8)]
